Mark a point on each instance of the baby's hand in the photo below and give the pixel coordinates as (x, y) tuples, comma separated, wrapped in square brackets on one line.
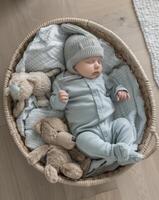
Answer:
[(63, 96), (122, 95)]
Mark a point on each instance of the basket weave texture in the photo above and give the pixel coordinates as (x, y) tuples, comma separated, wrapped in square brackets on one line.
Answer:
[(150, 140)]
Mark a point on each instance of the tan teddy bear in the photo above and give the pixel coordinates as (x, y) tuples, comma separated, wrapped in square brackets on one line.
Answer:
[(55, 133), (22, 85)]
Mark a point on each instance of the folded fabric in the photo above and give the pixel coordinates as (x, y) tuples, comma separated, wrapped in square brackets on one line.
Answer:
[(45, 52), (29, 117)]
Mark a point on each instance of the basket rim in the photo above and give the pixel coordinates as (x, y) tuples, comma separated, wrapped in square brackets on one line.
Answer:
[(12, 125)]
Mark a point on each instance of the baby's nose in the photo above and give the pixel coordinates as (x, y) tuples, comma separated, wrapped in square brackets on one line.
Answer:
[(96, 66)]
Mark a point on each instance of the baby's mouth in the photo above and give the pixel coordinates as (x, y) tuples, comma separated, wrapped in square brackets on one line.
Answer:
[(95, 73)]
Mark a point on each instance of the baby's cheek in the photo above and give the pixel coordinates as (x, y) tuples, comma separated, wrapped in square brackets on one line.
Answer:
[(88, 69)]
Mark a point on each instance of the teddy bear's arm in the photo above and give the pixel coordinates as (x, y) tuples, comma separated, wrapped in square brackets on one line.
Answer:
[(34, 156), (53, 72), (42, 101), (18, 108)]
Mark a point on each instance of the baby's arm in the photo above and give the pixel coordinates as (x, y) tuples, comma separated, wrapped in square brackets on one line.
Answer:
[(59, 98), (63, 96), (119, 93), (116, 91), (122, 95)]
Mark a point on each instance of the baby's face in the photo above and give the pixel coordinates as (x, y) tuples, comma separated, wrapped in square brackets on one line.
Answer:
[(90, 67)]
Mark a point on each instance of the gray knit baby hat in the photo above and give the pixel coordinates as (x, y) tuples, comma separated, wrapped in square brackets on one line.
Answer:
[(80, 45)]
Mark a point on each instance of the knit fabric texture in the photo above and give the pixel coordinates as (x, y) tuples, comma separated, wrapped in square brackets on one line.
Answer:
[(148, 15), (79, 47)]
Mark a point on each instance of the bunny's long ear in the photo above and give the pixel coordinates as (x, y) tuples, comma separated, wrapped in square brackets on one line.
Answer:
[(74, 29), (31, 80)]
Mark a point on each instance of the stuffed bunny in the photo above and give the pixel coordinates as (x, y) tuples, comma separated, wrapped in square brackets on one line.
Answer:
[(22, 85)]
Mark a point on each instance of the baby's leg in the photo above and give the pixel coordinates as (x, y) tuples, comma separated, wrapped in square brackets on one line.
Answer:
[(93, 146), (122, 131), (122, 136)]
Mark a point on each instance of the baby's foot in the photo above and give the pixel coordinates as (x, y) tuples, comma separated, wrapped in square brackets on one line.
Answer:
[(133, 158), (121, 151)]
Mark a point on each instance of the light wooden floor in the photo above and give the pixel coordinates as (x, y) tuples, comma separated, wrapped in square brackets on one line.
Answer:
[(19, 181)]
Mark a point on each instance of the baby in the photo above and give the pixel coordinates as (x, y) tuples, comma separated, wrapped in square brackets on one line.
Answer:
[(86, 96)]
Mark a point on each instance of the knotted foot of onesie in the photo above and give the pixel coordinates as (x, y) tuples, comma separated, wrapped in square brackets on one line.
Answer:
[(134, 157), (121, 152), (125, 155)]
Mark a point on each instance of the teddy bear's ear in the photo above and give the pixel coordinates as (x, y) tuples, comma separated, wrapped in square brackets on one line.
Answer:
[(37, 127)]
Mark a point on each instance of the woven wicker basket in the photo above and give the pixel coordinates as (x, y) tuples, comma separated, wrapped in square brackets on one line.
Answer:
[(150, 141)]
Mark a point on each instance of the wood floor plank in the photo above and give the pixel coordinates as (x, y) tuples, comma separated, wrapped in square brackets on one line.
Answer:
[(87, 192), (109, 195), (18, 180)]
